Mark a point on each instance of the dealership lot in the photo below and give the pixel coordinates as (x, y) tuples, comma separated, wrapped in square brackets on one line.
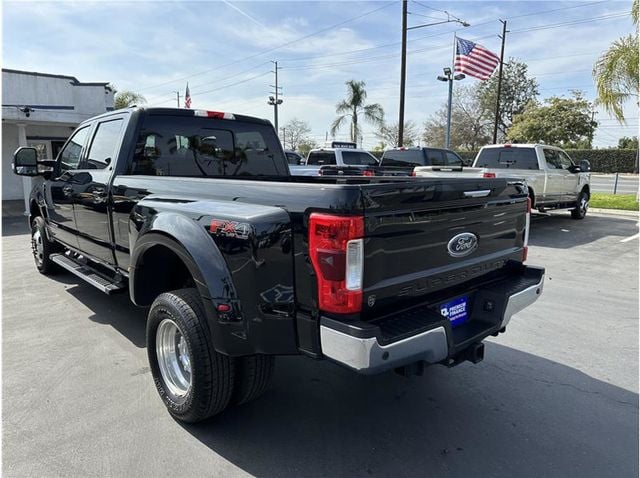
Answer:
[(557, 395)]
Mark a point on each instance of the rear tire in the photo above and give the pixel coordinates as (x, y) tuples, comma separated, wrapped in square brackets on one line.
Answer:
[(253, 376), (42, 247), (580, 211), (194, 381)]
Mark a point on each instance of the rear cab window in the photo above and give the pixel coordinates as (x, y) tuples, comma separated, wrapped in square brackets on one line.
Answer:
[(192, 146), (403, 158), (358, 158), (507, 158), (321, 158)]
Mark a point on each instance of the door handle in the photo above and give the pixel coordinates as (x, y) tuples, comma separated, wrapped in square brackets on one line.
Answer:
[(477, 194)]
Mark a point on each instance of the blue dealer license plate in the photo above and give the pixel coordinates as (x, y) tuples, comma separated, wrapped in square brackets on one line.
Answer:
[(456, 311)]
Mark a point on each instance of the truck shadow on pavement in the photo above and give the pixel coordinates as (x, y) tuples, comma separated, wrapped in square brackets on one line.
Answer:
[(515, 414), (116, 310), (559, 231)]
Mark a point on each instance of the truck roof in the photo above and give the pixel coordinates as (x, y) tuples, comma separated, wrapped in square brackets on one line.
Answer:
[(186, 112), (520, 145)]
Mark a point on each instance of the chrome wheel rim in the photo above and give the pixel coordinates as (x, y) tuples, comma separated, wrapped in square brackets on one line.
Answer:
[(37, 246), (174, 359), (584, 205)]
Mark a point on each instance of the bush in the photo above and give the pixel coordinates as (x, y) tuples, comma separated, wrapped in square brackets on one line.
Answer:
[(606, 160)]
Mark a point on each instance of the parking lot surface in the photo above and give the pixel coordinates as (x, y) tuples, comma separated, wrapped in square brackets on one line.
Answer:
[(557, 395)]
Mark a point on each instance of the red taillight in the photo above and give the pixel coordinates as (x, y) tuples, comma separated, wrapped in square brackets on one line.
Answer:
[(413, 173), (337, 254), (368, 172), (488, 175), (527, 223)]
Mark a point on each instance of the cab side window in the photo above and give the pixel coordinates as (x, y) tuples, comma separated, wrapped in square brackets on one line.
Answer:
[(565, 160), (104, 145), (552, 158), (453, 159), (434, 157), (72, 152)]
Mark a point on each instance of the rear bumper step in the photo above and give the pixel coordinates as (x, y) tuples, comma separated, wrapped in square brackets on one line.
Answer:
[(420, 334)]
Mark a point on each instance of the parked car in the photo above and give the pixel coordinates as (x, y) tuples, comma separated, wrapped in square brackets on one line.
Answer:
[(196, 215), (293, 157)]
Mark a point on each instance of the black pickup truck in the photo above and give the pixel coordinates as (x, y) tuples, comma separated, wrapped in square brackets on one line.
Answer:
[(195, 213)]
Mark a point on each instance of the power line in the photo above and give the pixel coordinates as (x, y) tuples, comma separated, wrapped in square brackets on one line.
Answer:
[(269, 50), (573, 22)]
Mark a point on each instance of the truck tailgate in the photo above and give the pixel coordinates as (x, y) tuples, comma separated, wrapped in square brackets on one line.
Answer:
[(433, 234)]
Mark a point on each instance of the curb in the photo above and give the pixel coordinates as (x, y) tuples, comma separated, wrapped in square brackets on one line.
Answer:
[(614, 212)]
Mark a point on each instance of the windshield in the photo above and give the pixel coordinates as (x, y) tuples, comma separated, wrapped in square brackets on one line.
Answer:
[(507, 158), (321, 157)]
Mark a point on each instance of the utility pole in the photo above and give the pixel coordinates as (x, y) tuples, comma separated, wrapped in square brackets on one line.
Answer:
[(273, 99), (177, 97), (403, 73), (284, 137), (497, 118), (403, 59)]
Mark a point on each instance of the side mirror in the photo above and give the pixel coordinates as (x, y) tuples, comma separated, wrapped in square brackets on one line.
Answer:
[(25, 162), (585, 166)]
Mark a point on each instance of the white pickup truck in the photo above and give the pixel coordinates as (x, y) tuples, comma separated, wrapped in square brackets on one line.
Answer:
[(554, 181), (338, 157)]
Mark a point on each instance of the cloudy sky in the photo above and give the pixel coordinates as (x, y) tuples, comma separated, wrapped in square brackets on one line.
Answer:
[(224, 50)]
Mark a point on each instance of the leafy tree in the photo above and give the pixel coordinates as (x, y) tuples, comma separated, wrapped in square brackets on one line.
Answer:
[(126, 98), (354, 106), (560, 121), (295, 132), (517, 91), (305, 146), (471, 123), (628, 143), (389, 134), (616, 72)]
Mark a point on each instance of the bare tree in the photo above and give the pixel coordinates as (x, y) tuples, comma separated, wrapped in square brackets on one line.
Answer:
[(295, 132), (389, 134)]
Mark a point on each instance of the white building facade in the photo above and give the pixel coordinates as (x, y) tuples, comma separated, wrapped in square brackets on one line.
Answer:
[(42, 110)]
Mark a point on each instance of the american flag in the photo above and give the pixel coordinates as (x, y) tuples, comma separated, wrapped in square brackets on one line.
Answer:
[(474, 60), (187, 98)]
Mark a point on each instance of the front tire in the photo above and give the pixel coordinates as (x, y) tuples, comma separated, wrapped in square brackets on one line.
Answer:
[(580, 211), (42, 247), (194, 381)]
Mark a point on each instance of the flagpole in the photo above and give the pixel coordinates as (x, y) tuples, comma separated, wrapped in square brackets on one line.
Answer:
[(497, 118), (447, 138)]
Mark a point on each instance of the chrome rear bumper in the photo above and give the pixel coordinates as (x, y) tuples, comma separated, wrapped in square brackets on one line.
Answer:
[(365, 354)]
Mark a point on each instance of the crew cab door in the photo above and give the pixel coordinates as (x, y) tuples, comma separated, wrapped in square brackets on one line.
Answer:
[(91, 190), (571, 179), (59, 189), (556, 187)]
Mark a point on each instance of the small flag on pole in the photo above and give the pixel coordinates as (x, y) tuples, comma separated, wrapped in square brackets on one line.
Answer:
[(187, 98), (474, 60)]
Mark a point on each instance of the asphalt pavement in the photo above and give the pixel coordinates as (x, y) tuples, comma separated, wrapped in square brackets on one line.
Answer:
[(556, 396)]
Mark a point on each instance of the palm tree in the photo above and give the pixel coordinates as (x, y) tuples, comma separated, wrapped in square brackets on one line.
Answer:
[(616, 72), (354, 106), (126, 98)]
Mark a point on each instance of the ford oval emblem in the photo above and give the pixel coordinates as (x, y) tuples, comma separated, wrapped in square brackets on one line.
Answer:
[(462, 244)]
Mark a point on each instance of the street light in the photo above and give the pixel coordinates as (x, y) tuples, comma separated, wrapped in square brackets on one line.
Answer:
[(403, 59), (448, 76)]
